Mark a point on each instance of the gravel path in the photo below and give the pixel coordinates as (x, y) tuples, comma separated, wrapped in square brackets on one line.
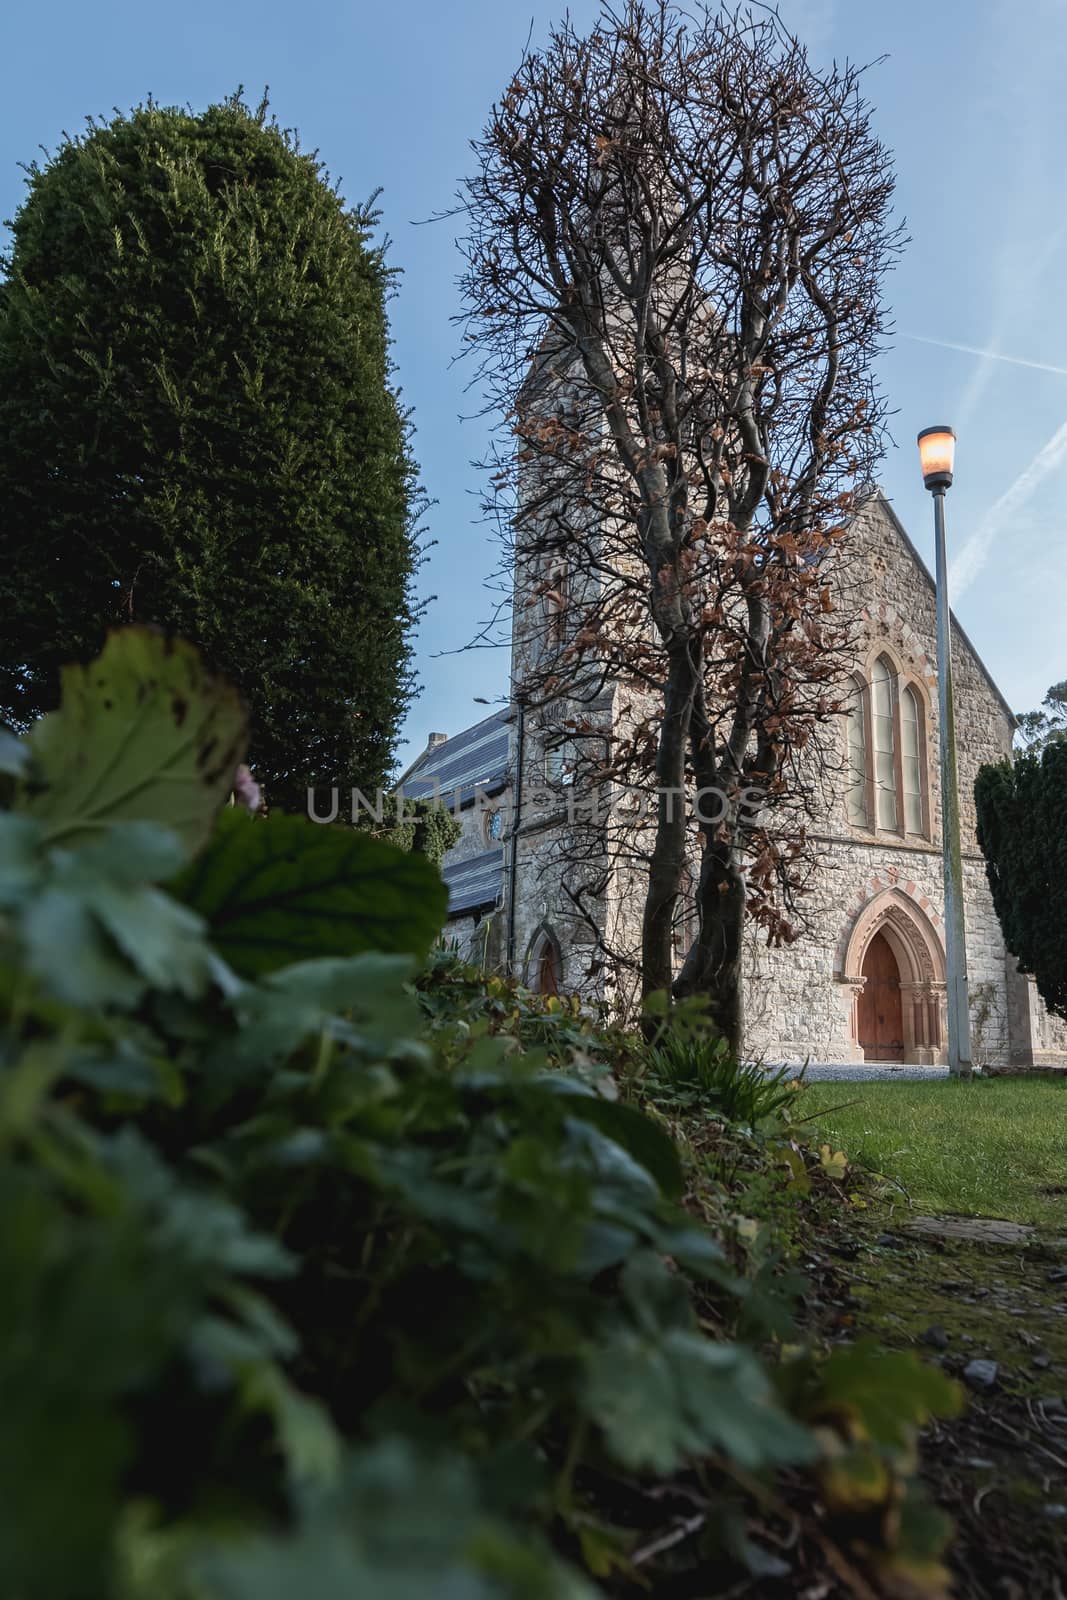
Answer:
[(866, 1071)]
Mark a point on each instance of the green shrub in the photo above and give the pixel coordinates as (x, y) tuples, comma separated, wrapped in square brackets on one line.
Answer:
[(318, 1281), (196, 398), (1022, 831), (695, 1072)]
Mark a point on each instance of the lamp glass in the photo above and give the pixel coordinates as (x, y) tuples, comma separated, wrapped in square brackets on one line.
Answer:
[(937, 453)]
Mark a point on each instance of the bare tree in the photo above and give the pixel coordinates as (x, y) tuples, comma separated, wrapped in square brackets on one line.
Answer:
[(677, 235)]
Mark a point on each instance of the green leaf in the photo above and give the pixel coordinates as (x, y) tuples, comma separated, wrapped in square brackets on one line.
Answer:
[(401, 1527), (14, 754), (21, 865), (93, 942), (126, 1067), (90, 927), (661, 1400), (144, 733), (294, 1004), (309, 1441), (637, 1134), (658, 1297), (281, 889), (67, 949), (891, 1392), (133, 853)]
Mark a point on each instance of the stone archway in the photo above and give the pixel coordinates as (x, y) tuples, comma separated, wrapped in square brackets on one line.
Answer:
[(879, 1004), (543, 967), (896, 921)]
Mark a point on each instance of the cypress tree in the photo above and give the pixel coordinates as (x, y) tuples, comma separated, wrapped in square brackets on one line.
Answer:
[(1022, 829), (198, 429)]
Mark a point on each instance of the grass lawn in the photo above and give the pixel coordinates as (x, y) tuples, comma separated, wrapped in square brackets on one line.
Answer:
[(992, 1149)]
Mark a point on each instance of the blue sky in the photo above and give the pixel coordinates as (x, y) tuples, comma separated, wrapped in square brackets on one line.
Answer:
[(971, 100)]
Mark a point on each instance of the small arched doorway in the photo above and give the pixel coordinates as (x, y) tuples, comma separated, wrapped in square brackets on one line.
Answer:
[(880, 1013), (544, 964), (547, 968)]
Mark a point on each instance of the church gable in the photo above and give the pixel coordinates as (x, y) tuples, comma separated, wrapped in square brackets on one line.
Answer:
[(889, 591), (900, 600)]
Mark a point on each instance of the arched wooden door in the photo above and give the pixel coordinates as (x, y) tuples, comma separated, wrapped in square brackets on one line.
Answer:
[(880, 1021), (547, 968), (543, 969)]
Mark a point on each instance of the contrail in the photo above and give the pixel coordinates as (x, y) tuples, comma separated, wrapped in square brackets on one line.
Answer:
[(974, 554), (1022, 279), (990, 355)]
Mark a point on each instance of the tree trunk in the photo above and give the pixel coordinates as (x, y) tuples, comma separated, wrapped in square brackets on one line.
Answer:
[(668, 852), (713, 965)]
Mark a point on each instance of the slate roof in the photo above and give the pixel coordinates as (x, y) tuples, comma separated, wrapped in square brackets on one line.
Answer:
[(477, 758), (474, 760), (474, 884)]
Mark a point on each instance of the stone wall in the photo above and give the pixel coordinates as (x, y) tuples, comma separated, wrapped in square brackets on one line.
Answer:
[(799, 1001), (473, 838), (477, 936), (476, 939), (805, 999), (543, 904), (801, 998)]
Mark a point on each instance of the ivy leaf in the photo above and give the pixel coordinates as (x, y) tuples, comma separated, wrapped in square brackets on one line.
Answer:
[(281, 889), (144, 733), (856, 1481)]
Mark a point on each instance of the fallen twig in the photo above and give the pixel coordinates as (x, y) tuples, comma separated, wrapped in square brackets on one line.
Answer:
[(667, 1541)]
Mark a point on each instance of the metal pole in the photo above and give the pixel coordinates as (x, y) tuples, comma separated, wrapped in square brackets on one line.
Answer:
[(516, 818), (959, 1017)]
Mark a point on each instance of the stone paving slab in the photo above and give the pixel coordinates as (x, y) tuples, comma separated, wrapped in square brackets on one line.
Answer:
[(978, 1230)]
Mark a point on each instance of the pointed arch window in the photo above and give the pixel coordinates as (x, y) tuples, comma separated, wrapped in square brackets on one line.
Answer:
[(885, 737), (856, 799), (883, 723), (555, 597), (911, 745), (544, 964), (548, 969)]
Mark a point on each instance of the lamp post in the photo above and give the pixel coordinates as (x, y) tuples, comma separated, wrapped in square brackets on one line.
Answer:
[(937, 451)]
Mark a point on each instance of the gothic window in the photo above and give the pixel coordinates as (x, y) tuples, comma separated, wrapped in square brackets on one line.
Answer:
[(883, 724), (560, 763), (554, 599), (857, 746), (885, 738), (493, 825), (911, 760)]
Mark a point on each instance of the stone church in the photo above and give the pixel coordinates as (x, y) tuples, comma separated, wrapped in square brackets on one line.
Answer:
[(866, 978)]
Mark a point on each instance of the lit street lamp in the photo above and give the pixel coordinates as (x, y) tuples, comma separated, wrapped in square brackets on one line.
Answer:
[(937, 451)]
